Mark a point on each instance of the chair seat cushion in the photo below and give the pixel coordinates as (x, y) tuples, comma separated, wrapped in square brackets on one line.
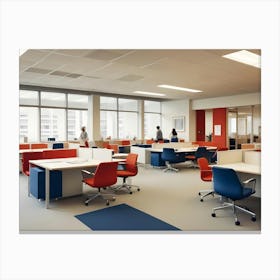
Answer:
[(125, 173), (246, 192), (90, 182), (192, 157), (207, 178)]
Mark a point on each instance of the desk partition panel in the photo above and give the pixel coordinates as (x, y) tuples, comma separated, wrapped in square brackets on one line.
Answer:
[(231, 156)]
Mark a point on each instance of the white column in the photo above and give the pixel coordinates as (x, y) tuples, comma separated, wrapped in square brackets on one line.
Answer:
[(94, 117)]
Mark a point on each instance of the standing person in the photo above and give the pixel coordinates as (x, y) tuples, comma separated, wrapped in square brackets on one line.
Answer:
[(173, 135), (84, 137), (159, 134)]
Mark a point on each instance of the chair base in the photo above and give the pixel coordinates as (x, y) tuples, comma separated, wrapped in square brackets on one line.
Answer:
[(205, 193), (110, 198), (126, 186), (234, 208), (170, 168)]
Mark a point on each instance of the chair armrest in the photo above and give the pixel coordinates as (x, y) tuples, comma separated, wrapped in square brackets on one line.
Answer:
[(251, 180), (87, 174)]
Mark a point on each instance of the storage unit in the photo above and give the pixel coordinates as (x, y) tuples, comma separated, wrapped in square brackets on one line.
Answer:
[(37, 183)]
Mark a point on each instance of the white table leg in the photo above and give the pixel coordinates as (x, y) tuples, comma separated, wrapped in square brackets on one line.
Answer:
[(47, 195), (29, 185)]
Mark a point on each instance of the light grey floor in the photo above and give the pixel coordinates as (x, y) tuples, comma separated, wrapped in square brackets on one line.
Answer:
[(171, 197)]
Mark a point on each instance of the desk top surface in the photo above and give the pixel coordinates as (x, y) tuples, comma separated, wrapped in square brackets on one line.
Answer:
[(34, 150), (67, 163), (242, 167)]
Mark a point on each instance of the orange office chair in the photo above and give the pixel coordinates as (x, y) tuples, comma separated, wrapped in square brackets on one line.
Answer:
[(205, 175), (130, 169), (104, 176), (24, 146)]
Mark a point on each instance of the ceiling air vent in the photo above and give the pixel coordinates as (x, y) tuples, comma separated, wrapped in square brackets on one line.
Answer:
[(38, 70), (131, 78)]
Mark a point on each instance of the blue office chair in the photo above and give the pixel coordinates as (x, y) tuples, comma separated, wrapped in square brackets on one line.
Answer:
[(175, 139), (170, 156), (58, 145), (227, 184), (199, 153)]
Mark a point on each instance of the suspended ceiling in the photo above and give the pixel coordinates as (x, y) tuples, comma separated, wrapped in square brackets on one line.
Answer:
[(114, 71)]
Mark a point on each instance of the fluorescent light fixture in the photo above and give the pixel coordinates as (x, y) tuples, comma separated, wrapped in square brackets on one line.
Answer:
[(149, 93), (245, 57), (179, 88)]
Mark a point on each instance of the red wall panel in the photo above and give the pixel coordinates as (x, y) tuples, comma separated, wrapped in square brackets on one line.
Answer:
[(220, 118), (200, 125)]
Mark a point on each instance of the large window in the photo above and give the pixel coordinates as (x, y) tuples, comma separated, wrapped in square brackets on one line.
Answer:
[(108, 124), (53, 99), (28, 97), (152, 118), (28, 124), (43, 115), (78, 101), (75, 120), (128, 128), (118, 118), (53, 124)]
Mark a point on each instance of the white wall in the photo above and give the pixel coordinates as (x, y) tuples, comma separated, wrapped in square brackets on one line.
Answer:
[(172, 109), (227, 101)]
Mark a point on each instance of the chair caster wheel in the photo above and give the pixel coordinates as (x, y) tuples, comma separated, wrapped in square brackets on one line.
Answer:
[(253, 219), (86, 203), (213, 215), (107, 203), (199, 193), (201, 199), (138, 190), (130, 192), (237, 223)]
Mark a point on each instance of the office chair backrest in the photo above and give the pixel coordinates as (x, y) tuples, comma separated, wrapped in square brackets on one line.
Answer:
[(106, 174), (58, 146), (205, 169), (131, 163), (227, 183), (39, 146), (201, 152), (24, 146), (174, 139), (168, 154)]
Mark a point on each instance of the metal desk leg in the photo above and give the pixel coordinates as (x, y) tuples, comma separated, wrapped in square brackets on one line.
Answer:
[(29, 185), (47, 181)]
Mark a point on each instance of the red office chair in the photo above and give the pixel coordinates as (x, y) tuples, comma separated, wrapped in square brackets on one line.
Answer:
[(130, 169), (104, 176), (205, 175)]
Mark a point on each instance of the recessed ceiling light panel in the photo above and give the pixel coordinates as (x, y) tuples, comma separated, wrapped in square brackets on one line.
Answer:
[(245, 57), (149, 93), (179, 88)]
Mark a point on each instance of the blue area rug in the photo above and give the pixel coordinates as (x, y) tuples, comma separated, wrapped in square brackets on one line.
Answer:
[(122, 217)]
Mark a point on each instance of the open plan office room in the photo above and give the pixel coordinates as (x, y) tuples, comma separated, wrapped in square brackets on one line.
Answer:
[(91, 188), (126, 170)]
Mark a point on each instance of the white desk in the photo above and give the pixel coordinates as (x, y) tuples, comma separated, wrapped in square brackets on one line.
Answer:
[(61, 164), (120, 156), (243, 167), (245, 171)]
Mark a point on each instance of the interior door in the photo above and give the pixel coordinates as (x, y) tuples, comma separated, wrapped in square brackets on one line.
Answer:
[(200, 125)]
